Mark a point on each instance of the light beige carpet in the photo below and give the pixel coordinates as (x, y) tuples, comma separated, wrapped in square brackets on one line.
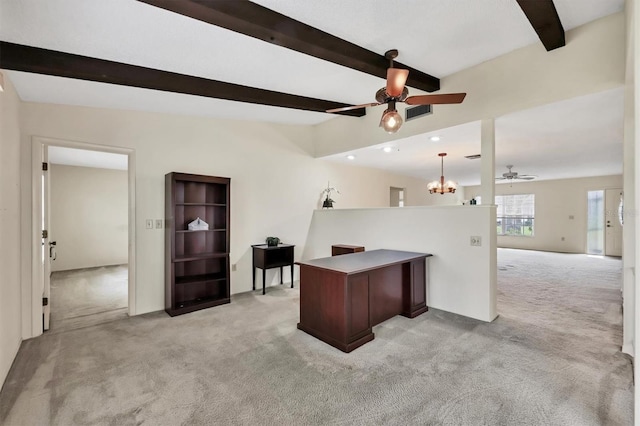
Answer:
[(551, 358), (86, 297)]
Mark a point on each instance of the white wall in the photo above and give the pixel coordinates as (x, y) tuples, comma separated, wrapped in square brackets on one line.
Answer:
[(462, 278), (88, 216), (10, 292), (448, 199), (556, 200), (275, 183)]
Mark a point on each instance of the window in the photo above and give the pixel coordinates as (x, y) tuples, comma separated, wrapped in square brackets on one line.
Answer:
[(515, 214)]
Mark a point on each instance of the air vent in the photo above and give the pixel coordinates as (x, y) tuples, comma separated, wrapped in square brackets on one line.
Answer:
[(472, 157), (417, 111)]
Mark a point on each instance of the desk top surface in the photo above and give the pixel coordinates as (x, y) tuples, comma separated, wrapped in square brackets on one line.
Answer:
[(363, 261), (267, 247)]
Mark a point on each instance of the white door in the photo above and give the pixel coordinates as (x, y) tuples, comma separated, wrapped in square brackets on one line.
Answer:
[(48, 246), (613, 229)]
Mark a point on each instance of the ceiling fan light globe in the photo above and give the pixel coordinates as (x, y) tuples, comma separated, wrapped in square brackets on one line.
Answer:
[(391, 121)]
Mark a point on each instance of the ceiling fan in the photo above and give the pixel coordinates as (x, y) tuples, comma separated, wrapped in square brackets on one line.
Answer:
[(511, 175), (395, 91)]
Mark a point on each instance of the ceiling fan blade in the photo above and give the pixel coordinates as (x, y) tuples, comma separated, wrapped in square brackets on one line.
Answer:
[(526, 177), (353, 107), (500, 178), (396, 78), (448, 98)]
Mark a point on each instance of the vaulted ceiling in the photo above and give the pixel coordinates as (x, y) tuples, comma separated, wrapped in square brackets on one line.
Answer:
[(195, 52)]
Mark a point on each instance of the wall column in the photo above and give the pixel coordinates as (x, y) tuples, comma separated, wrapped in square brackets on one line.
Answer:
[(488, 167), (629, 188), (633, 41), (487, 192)]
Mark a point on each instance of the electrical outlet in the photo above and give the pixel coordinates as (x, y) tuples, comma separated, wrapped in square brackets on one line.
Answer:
[(476, 240), (149, 223), (233, 267), (158, 223)]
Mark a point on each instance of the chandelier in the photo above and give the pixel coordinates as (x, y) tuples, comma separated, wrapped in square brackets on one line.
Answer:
[(441, 187)]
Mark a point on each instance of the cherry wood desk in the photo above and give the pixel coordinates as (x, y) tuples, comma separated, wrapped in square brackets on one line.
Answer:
[(340, 249), (343, 297)]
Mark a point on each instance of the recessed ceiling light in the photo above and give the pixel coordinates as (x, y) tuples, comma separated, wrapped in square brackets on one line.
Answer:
[(351, 157), (434, 138), (387, 149)]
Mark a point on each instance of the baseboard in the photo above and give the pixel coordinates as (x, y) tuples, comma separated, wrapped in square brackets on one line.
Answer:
[(627, 348), (5, 373), (90, 267)]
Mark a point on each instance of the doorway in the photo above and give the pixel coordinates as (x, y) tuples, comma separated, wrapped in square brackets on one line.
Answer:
[(396, 197), (604, 230), (57, 250), (88, 237)]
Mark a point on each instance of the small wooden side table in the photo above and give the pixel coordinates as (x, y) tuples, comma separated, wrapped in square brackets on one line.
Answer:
[(267, 257), (338, 249)]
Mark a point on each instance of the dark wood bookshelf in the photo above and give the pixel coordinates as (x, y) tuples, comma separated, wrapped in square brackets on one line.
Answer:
[(200, 278), (199, 256), (196, 261), (200, 230), (197, 304), (201, 204)]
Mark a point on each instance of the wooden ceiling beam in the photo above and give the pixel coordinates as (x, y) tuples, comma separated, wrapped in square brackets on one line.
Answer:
[(544, 19), (50, 62), (257, 21)]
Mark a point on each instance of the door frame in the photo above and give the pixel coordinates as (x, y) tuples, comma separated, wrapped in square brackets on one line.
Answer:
[(38, 144), (45, 251)]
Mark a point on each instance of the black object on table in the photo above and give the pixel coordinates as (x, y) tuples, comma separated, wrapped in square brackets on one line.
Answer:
[(267, 257)]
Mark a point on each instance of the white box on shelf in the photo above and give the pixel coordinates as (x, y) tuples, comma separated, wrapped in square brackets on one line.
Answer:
[(198, 225)]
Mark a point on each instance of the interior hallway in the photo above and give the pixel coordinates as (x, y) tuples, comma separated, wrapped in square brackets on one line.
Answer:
[(90, 296), (551, 357)]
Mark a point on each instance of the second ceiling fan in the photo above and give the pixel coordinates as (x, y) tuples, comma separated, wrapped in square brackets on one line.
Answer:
[(511, 175), (396, 91)]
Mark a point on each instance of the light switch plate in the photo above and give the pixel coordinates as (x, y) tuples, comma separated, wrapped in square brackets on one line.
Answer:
[(475, 240), (149, 223), (158, 223)]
